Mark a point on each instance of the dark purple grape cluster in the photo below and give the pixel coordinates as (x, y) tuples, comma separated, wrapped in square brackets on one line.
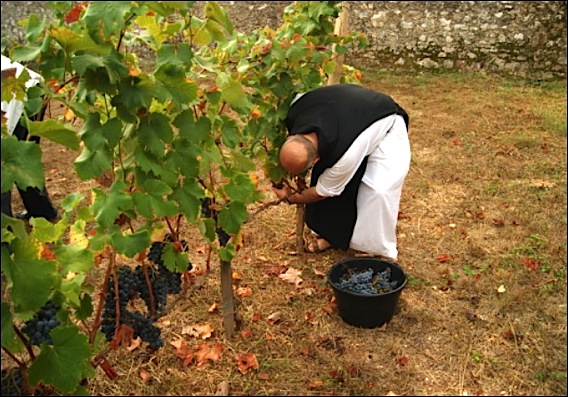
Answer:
[(363, 282), (208, 212), (132, 284), (41, 324), (14, 384), (223, 236)]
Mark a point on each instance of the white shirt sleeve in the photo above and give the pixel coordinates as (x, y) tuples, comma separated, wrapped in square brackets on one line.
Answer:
[(333, 180)]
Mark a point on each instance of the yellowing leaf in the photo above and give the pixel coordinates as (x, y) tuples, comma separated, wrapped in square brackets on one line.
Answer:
[(69, 115)]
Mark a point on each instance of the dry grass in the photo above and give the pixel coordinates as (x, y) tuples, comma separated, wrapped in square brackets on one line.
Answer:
[(487, 187)]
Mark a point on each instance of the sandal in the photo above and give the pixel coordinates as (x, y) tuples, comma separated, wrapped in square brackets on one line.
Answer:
[(318, 245)]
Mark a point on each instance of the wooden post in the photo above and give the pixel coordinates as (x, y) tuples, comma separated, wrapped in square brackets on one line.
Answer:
[(341, 28), (228, 304)]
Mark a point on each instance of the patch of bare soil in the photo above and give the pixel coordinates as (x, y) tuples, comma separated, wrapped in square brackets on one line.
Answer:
[(482, 237)]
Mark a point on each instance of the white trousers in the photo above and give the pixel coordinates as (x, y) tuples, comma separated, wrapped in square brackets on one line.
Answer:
[(379, 194)]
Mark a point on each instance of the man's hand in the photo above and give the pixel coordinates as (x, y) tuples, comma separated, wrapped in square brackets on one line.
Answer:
[(282, 193)]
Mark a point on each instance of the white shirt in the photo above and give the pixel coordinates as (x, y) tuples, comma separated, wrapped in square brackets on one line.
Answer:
[(15, 107), (333, 180)]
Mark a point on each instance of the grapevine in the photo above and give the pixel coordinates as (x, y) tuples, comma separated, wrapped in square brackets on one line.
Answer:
[(175, 141)]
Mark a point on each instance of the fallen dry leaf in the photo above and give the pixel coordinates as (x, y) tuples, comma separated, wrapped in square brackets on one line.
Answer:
[(206, 353), (292, 276), (274, 317), (145, 376), (202, 331), (315, 384), (310, 318), (222, 389), (244, 291), (134, 344), (246, 361), (183, 351)]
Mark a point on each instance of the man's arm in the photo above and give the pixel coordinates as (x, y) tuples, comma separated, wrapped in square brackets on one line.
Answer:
[(306, 196)]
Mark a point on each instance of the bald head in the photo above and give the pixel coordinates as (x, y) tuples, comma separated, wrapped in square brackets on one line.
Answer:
[(297, 154)]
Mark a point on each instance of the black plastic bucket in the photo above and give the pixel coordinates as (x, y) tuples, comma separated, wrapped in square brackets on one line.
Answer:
[(366, 310)]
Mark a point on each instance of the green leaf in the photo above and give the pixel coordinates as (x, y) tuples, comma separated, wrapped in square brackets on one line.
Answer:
[(174, 261), (207, 229), (230, 133), (147, 162), (64, 364), (91, 164), (28, 273), (108, 206), (47, 232), (98, 81), (130, 244), (85, 309), (188, 198), (194, 132), (74, 259), (232, 91), (9, 339), (175, 86), (183, 157), (111, 65), (232, 217), (215, 13), (72, 201), (25, 54), (71, 287), (62, 133), (21, 164), (240, 188), (108, 15), (134, 93), (227, 252), (154, 132), (149, 205)]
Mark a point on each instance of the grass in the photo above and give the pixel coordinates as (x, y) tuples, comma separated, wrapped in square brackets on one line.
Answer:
[(482, 237)]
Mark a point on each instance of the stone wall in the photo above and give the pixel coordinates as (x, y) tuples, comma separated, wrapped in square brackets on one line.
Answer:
[(521, 38)]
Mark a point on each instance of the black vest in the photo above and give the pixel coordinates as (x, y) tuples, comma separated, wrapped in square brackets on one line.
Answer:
[(338, 114)]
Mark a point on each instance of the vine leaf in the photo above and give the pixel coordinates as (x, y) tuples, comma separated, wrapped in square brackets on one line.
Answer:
[(61, 133), (66, 360), (21, 164), (27, 274)]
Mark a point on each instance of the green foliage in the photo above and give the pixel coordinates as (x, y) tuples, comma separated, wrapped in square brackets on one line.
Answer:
[(193, 119)]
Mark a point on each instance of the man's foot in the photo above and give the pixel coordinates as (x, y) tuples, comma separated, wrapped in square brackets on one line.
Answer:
[(25, 215), (318, 245)]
